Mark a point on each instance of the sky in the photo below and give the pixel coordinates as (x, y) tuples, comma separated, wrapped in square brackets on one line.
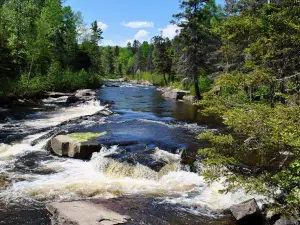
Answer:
[(126, 20)]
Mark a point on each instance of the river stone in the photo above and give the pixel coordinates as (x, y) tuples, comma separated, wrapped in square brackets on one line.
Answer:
[(247, 213), (286, 221), (66, 146), (171, 94), (105, 112), (84, 213), (189, 98), (175, 94), (72, 99), (61, 144)]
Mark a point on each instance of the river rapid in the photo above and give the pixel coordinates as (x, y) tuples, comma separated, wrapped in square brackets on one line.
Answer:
[(143, 120)]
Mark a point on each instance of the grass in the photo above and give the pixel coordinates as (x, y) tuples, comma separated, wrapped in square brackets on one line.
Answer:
[(84, 137)]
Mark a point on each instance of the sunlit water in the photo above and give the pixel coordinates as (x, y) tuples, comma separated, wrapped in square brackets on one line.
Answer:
[(144, 119)]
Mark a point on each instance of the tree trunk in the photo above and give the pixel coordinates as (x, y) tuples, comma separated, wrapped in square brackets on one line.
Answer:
[(29, 73), (166, 82), (197, 90)]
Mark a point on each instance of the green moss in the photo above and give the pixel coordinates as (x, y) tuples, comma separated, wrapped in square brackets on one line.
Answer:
[(83, 137)]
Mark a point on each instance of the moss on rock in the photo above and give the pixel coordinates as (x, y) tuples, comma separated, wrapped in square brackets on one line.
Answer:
[(84, 137)]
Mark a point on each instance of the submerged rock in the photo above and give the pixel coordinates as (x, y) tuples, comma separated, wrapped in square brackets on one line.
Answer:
[(247, 213), (80, 146)]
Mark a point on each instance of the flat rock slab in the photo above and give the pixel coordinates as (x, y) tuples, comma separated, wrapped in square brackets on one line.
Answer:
[(84, 213), (127, 210)]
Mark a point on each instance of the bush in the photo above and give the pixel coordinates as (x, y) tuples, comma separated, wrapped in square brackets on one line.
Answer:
[(113, 76), (155, 79), (204, 85)]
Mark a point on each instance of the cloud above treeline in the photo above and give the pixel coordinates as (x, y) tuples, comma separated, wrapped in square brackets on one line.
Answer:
[(138, 24), (141, 34), (170, 31), (102, 25)]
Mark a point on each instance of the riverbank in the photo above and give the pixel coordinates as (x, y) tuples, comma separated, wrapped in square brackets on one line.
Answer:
[(173, 90)]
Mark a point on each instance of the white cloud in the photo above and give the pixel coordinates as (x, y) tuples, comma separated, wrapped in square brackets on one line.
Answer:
[(170, 31), (141, 34), (102, 25), (138, 24)]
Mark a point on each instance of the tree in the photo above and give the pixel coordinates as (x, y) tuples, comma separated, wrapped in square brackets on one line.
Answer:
[(196, 36), (108, 60), (162, 61), (117, 65), (94, 50)]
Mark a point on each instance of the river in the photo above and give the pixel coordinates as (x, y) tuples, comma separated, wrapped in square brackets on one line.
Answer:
[(143, 120)]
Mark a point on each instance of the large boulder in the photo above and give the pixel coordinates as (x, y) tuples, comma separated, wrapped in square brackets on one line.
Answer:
[(74, 146), (175, 94), (72, 99), (247, 213), (189, 98), (286, 221), (170, 94)]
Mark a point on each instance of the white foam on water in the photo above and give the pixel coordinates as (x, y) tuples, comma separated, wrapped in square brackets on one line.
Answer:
[(48, 119), (105, 177), (45, 120)]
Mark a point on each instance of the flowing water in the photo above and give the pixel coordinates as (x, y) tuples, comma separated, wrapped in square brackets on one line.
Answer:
[(127, 164)]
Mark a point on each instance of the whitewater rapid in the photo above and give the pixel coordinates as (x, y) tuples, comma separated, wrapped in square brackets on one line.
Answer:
[(71, 179)]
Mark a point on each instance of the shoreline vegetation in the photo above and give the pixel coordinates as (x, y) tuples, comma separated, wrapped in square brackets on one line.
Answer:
[(241, 62)]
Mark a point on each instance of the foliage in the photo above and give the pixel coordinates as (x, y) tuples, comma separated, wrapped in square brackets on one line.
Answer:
[(39, 48), (155, 79)]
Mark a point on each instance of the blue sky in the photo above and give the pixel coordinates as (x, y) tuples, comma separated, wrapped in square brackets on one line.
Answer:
[(126, 20)]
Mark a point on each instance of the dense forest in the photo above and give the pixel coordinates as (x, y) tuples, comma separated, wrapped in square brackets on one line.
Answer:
[(241, 62)]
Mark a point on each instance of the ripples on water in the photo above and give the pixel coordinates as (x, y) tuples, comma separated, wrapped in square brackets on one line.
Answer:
[(146, 119)]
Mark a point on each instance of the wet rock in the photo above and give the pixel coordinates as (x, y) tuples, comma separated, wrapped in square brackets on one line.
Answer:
[(171, 94), (57, 94), (72, 99), (286, 221), (84, 93), (105, 112), (108, 103), (188, 159), (116, 80), (111, 85), (84, 213), (142, 82), (175, 94), (136, 211), (247, 213), (67, 146), (189, 98)]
